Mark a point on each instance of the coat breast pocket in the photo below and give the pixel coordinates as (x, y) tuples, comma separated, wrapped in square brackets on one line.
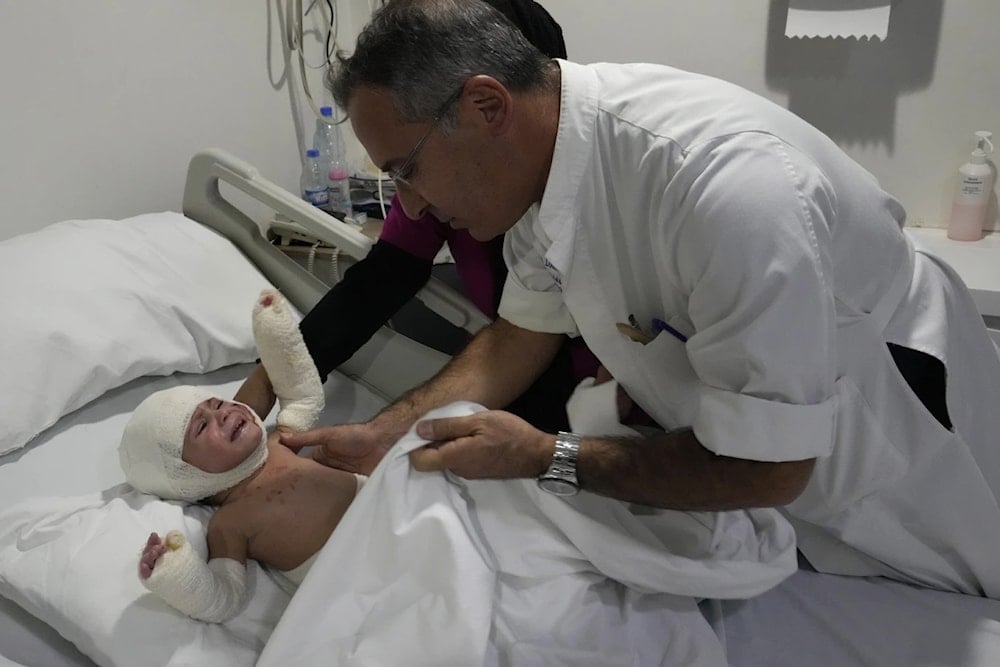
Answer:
[(666, 385)]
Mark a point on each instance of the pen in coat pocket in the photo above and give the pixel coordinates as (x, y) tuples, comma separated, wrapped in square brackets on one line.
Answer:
[(659, 325), (634, 333)]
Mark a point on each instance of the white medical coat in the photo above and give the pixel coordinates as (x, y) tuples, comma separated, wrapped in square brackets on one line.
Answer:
[(684, 198)]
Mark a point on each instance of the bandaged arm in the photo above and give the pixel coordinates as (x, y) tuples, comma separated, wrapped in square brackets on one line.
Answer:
[(214, 591), (289, 365)]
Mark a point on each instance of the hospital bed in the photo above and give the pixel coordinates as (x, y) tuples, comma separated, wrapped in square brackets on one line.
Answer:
[(130, 350)]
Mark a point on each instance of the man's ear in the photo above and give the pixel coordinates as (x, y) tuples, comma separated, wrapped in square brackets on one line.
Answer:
[(489, 103)]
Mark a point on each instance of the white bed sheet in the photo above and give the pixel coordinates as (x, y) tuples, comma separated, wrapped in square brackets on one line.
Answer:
[(832, 621), (78, 455), (430, 569)]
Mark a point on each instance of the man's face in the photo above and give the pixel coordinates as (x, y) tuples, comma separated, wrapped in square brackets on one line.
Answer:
[(220, 435), (449, 177)]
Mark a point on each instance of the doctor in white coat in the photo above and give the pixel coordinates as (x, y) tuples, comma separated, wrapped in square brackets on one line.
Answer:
[(746, 282)]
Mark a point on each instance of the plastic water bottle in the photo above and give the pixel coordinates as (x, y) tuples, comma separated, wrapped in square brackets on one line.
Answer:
[(325, 138), (328, 140), (314, 182), (339, 194)]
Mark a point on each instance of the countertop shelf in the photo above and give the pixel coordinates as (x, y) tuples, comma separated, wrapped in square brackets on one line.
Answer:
[(977, 262)]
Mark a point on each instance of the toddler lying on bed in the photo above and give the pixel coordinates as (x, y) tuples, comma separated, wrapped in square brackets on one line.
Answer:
[(274, 506)]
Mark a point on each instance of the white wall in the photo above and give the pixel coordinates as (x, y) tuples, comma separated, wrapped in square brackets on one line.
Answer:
[(904, 108), (105, 101)]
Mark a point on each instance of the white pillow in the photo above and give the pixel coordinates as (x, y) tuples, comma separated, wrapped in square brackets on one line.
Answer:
[(92, 304), (73, 563)]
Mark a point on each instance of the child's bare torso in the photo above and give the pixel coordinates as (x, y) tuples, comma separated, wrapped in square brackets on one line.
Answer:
[(287, 511)]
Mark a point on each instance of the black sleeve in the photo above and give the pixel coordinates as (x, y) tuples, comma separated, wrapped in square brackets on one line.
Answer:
[(543, 404), (352, 311)]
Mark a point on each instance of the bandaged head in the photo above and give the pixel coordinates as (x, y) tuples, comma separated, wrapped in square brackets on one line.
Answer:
[(153, 442)]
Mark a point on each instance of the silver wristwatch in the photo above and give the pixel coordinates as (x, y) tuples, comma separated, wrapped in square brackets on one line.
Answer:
[(560, 478)]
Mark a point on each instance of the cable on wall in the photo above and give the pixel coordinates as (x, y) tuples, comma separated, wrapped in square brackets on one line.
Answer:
[(296, 42)]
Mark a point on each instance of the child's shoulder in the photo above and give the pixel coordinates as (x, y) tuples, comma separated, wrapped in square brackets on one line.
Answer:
[(226, 519), (239, 520)]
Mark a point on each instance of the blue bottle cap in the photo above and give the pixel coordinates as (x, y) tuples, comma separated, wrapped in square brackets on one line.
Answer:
[(312, 152), (326, 111)]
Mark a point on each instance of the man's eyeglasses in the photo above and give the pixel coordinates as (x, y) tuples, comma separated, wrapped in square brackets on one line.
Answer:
[(401, 174)]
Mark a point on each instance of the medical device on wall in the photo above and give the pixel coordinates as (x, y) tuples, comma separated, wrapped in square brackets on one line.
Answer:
[(975, 189)]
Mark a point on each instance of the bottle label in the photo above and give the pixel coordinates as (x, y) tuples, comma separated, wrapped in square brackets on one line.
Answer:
[(319, 197), (971, 190)]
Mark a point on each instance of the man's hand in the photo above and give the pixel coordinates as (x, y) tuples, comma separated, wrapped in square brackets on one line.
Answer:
[(275, 436), (351, 447), (492, 444)]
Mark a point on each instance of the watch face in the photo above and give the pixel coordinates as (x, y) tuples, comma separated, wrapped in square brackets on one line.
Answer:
[(557, 487)]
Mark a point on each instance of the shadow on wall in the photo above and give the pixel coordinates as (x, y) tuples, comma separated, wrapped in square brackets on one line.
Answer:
[(848, 87), (279, 51)]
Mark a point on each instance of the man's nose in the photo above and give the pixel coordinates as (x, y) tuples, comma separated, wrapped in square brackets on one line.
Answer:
[(414, 206)]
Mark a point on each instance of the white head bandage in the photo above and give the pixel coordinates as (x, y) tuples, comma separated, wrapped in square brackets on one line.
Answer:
[(153, 442)]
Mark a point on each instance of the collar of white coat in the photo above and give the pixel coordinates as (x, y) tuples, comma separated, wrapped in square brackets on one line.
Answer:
[(574, 150)]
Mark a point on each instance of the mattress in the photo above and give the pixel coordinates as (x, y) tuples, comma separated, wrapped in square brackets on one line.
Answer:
[(833, 621), (78, 455)]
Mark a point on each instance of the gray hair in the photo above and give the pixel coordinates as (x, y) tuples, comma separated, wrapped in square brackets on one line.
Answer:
[(423, 51)]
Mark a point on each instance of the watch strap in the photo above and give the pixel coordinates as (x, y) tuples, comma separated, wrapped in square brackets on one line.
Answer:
[(564, 460)]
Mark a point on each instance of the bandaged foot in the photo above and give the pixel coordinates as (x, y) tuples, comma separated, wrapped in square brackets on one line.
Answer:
[(593, 410), (174, 540), (287, 362), (214, 591)]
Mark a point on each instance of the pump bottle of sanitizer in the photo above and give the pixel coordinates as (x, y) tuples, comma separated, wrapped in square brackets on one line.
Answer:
[(972, 198)]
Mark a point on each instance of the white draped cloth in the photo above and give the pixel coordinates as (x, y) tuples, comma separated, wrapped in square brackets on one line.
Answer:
[(432, 569)]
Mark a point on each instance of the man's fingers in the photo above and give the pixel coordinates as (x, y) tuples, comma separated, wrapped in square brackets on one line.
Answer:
[(297, 440), (450, 428), (427, 459), (320, 456), (291, 440), (444, 453)]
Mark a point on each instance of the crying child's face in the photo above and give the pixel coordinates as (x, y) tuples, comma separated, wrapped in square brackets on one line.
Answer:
[(220, 435)]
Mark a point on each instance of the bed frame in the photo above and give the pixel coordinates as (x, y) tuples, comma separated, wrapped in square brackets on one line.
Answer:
[(389, 363)]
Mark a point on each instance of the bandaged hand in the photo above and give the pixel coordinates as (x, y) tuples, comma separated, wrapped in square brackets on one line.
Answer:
[(287, 361), (597, 406), (171, 568)]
